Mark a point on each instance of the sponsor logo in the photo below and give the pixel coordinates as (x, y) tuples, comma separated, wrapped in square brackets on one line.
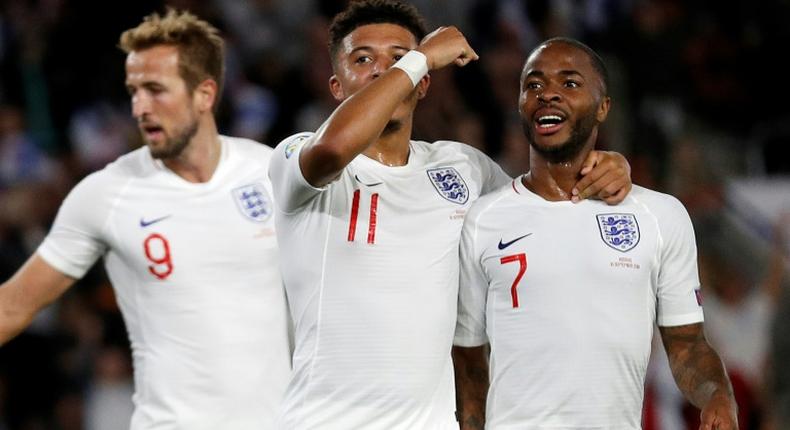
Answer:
[(145, 223), (619, 231), (506, 244), (253, 201), (449, 184)]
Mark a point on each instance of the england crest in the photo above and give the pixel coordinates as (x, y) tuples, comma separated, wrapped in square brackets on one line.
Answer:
[(253, 201), (449, 183), (619, 231)]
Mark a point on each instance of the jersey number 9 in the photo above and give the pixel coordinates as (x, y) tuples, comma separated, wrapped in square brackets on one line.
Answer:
[(157, 251)]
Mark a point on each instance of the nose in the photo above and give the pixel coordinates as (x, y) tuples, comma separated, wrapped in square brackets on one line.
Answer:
[(141, 104), (549, 94), (381, 65)]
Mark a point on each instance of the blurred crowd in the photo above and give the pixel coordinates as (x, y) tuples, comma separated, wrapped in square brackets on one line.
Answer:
[(691, 111)]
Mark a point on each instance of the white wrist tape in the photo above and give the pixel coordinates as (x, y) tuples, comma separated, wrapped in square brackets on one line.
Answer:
[(415, 64)]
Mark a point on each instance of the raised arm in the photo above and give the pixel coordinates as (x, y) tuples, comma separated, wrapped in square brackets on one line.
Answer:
[(605, 175), (471, 385), (359, 121), (35, 285), (700, 375)]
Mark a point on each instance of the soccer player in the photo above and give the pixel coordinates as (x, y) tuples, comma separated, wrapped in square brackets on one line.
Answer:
[(567, 294), (371, 221), (185, 227)]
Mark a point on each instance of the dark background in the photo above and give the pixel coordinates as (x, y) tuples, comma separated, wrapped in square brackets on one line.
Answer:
[(700, 93)]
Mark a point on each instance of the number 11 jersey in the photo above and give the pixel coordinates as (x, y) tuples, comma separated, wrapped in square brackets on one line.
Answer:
[(370, 264)]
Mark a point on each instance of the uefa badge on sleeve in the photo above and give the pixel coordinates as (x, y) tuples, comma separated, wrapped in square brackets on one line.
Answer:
[(291, 146), (619, 231), (449, 184), (253, 201)]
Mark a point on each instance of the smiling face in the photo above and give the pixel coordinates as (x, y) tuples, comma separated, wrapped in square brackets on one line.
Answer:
[(562, 101), (166, 111), (364, 55)]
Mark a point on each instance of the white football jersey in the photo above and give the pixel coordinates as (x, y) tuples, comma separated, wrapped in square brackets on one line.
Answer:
[(568, 295), (370, 264), (195, 269)]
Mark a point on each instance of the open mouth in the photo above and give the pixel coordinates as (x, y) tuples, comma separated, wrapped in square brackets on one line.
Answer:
[(549, 123), (152, 131)]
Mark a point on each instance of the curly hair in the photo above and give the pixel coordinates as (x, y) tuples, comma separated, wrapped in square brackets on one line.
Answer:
[(366, 12)]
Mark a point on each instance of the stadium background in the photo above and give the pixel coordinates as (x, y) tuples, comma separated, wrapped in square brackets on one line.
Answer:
[(700, 99)]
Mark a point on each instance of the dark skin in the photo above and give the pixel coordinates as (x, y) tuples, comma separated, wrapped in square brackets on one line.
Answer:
[(378, 102), (559, 81), (471, 381)]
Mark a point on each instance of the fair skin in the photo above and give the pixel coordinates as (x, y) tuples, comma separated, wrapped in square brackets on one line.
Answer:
[(560, 81), (166, 111), (165, 108), (378, 102)]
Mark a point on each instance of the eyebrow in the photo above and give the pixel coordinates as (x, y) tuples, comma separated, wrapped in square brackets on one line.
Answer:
[(540, 73), (370, 48)]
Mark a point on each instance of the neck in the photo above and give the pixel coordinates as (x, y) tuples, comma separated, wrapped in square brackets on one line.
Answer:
[(392, 147), (551, 180), (200, 158)]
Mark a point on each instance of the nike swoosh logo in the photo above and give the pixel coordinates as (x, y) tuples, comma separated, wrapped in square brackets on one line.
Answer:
[(506, 244), (363, 183), (144, 223)]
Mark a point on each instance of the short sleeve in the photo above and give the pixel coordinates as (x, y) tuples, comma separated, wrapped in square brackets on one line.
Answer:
[(679, 302), (494, 177), (291, 189), (75, 241), (470, 329)]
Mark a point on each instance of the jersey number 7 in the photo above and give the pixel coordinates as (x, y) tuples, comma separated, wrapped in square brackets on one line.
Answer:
[(522, 268)]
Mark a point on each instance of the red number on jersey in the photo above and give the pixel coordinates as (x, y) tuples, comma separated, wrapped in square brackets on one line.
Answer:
[(157, 251), (522, 268), (352, 222)]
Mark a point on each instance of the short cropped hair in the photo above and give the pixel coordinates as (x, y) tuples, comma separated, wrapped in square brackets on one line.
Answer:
[(595, 59), (201, 50), (366, 12)]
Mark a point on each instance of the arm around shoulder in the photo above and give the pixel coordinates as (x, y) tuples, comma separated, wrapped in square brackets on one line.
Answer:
[(34, 286)]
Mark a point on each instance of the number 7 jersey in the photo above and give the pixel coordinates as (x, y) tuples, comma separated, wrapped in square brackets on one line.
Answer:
[(370, 264), (567, 295), (195, 269)]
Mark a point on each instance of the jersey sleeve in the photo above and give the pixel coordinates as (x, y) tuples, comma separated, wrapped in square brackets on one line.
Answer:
[(679, 302), (75, 241), (493, 176), (291, 189), (470, 328)]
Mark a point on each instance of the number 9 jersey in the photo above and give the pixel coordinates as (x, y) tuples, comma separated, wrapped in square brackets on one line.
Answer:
[(195, 269)]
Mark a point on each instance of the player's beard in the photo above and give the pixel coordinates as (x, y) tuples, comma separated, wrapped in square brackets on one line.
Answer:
[(568, 150), (175, 145)]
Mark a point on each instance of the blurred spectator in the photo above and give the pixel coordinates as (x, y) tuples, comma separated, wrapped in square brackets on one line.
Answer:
[(692, 108), (108, 404), (100, 133)]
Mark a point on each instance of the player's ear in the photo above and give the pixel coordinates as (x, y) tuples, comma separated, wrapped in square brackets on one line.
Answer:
[(603, 109), (422, 86), (336, 88), (205, 95)]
